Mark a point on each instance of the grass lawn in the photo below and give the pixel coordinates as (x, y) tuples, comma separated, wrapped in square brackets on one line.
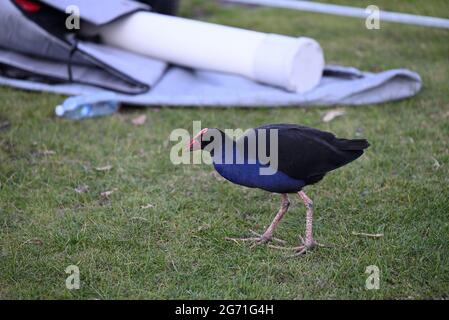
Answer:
[(160, 234)]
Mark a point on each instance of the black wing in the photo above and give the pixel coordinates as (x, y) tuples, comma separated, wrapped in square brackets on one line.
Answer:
[(308, 154)]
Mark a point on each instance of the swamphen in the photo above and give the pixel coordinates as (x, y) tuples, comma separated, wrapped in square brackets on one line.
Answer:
[(304, 156)]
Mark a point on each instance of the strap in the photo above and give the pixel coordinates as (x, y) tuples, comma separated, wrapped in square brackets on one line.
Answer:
[(74, 42)]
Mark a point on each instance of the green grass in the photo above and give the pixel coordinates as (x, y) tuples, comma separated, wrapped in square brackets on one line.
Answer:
[(176, 249)]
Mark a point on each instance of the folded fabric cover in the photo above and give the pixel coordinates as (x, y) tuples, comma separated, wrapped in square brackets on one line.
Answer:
[(35, 57)]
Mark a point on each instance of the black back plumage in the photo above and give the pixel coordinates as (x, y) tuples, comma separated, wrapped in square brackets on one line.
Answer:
[(307, 154)]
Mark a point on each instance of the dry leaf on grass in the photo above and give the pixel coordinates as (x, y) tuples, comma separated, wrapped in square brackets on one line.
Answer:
[(332, 114), (106, 194), (105, 168), (38, 242), (139, 218), (140, 120), (370, 235), (436, 165), (34, 241), (82, 189), (204, 227), (47, 152)]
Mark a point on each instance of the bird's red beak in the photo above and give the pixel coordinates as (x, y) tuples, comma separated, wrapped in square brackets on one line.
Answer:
[(28, 5), (195, 143)]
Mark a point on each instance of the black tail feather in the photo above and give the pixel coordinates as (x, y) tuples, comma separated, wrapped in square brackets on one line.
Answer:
[(353, 145)]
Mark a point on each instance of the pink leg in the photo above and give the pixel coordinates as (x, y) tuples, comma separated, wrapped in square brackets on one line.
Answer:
[(282, 210), (268, 234), (308, 243), (309, 218)]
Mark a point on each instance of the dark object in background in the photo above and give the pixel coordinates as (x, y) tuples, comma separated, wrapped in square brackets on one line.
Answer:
[(40, 47), (169, 7), (52, 19)]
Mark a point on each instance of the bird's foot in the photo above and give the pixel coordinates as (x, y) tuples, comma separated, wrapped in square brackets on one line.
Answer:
[(257, 239), (306, 246)]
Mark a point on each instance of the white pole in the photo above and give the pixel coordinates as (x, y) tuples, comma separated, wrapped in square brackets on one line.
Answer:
[(295, 64), (350, 12)]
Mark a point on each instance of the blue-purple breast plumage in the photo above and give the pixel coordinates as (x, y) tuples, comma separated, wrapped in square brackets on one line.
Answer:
[(249, 175), (305, 156)]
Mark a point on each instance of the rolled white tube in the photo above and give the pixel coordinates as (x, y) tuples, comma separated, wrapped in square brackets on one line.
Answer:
[(295, 64)]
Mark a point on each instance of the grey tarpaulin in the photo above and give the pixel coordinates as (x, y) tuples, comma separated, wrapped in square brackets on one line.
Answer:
[(33, 58)]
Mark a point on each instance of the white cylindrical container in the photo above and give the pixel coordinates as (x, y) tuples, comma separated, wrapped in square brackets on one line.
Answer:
[(295, 64)]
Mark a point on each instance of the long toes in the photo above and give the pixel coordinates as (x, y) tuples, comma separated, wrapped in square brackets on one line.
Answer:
[(305, 248), (323, 245), (279, 240), (285, 248), (271, 239), (253, 239), (255, 233), (300, 252), (259, 242), (260, 239)]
